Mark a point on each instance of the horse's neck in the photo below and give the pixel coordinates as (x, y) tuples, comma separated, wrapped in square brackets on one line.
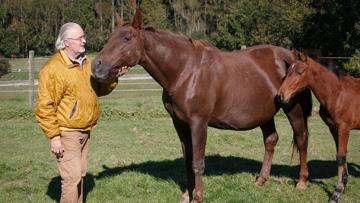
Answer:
[(325, 84), (165, 58)]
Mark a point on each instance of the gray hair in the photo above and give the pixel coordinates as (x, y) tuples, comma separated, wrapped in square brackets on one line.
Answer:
[(65, 33)]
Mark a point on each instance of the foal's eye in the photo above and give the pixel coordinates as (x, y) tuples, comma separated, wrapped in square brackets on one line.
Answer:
[(300, 71)]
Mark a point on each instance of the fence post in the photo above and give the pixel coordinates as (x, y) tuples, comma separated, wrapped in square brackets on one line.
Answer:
[(31, 79)]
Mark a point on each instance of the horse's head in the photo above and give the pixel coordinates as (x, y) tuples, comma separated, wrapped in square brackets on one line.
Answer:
[(124, 48), (297, 79)]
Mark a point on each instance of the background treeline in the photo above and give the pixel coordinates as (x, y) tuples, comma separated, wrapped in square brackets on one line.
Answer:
[(327, 27)]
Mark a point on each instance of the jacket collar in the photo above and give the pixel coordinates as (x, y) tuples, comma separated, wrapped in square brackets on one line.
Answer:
[(69, 63)]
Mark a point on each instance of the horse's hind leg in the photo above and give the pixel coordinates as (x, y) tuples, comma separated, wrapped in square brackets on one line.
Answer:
[(341, 138), (298, 123), (270, 139), (184, 133)]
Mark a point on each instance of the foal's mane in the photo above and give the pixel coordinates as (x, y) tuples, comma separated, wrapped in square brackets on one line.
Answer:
[(338, 71)]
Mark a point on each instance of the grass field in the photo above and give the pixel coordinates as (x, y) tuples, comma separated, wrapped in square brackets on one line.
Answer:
[(135, 156)]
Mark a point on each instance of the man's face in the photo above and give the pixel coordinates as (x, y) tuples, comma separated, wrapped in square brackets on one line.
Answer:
[(76, 42)]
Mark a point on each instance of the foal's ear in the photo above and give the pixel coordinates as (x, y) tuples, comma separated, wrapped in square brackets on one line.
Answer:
[(137, 20), (295, 53), (118, 20)]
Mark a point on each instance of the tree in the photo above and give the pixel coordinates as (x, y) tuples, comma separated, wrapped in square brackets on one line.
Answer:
[(333, 28), (258, 22)]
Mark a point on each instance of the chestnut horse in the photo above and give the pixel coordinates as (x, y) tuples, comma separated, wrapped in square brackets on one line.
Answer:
[(203, 86), (339, 104)]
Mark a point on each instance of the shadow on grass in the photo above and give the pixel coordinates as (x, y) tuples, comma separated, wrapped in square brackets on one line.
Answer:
[(216, 165), (219, 165), (54, 187)]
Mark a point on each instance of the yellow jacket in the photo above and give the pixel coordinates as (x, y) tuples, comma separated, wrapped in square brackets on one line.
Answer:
[(68, 96)]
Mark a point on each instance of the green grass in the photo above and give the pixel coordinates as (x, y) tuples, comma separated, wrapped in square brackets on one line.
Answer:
[(135, 156)]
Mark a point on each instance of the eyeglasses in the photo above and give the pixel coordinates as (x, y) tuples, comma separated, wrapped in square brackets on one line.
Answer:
[(79, 39)]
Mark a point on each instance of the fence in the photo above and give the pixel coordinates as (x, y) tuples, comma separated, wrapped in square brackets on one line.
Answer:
[(24, 71), (22, 82)]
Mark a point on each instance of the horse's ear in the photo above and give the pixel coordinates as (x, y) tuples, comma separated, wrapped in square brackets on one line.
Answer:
[(303, 56), (294, 53), (137, 20), (118, 20)]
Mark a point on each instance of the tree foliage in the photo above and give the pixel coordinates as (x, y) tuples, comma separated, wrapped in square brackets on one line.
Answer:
[(353, 65), (4, 67), (331, 27)]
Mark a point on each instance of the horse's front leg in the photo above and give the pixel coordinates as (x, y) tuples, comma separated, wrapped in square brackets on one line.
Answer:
[(184, 133), (198, 137), (270, 139), (343, 139)]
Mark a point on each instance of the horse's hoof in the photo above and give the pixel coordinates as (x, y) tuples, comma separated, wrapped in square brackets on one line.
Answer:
[(334, 198), (260, 182), (332, 201), (185, 198), (301, 185)]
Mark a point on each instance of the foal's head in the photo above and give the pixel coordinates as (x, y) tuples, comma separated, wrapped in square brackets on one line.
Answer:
[(124, 48), (297, 79)]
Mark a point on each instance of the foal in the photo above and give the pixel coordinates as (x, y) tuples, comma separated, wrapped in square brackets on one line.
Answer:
[(339, 98)]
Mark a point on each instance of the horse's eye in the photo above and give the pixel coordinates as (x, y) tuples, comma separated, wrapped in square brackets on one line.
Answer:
[(127, 38)]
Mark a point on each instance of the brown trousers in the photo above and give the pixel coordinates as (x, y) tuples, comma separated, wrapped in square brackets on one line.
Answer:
[(73, 165)]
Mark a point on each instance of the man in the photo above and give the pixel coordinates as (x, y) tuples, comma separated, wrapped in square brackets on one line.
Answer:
[(68, 108)]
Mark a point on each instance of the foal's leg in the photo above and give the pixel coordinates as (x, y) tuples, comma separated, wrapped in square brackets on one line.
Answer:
[(325, 116), (343, 133), (270, 139), (341, 137), (184, 133), (298, 123)]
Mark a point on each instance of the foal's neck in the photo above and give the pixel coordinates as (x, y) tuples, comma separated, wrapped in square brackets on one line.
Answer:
[(324, 83)]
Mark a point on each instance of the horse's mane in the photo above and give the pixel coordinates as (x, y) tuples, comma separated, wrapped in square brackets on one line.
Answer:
[(338, 71), (195, 42), (201, 43)]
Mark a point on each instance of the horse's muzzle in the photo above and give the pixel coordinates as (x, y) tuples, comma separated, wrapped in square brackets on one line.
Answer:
[(100, 70)]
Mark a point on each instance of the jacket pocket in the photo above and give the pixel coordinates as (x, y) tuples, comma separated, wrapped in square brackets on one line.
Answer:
[(73, 110)]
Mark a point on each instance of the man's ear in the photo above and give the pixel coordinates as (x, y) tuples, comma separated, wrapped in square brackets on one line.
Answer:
[(66, 43)]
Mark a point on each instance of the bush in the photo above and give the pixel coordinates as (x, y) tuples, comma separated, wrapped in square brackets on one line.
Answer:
[(4, 67), (353, 65)]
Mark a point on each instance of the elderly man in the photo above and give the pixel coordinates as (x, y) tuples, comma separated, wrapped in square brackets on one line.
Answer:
[(68, 108)]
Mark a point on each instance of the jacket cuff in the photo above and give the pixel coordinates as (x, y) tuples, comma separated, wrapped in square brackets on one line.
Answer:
[(56, 137)]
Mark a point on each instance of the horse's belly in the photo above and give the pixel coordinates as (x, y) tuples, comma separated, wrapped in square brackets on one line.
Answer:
[(243, 120)]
